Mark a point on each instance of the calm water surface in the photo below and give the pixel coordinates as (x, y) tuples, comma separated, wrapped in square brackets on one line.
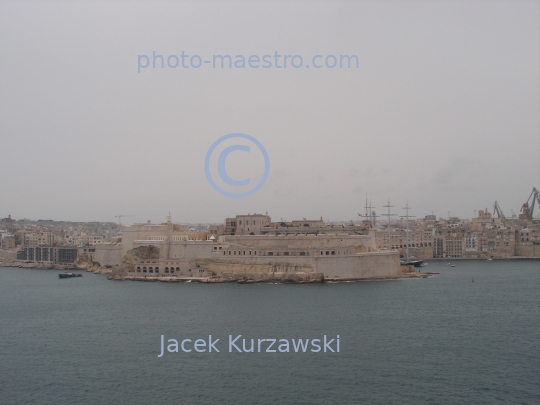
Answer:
[(441, 340)]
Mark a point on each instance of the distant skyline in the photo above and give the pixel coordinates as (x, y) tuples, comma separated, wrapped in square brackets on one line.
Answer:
[(443, 111), (396, 212)]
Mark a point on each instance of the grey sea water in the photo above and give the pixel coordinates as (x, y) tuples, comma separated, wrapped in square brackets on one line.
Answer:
[(441, 340)]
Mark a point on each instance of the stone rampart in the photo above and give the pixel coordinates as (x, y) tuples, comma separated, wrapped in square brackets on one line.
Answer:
[(528, 250), (8, 256), (108, 255)]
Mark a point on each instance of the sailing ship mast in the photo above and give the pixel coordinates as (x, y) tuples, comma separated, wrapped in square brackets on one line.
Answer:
[(407, 216), (389, 229)]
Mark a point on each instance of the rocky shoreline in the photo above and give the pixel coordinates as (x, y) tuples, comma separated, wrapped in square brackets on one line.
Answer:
[(276, 278), (96, 269), (241, 280)]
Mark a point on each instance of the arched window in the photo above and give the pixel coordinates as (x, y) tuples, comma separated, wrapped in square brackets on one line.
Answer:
[(178, 269)]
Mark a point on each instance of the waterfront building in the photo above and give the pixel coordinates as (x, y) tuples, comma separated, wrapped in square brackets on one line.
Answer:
[(48, 254)]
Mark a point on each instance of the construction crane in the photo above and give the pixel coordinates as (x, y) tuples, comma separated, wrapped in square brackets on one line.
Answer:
[(120, 218), (497, 210), (528, 210)]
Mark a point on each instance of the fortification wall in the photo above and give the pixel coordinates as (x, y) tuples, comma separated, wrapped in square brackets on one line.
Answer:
[(364, 265), (192, 257), (528, 250), (301, 241), (8, 256), (252, 265), (108, 255)]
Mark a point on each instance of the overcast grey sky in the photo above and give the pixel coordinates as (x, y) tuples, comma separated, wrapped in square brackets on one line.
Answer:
[(443, 111)]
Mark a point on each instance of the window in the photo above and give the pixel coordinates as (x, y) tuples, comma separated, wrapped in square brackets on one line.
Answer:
[(286, 254), (327, 253), (333, 252), (302, 253), (270, 253)]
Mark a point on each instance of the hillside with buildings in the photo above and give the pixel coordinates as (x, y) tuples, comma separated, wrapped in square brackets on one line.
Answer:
[(103, 244)]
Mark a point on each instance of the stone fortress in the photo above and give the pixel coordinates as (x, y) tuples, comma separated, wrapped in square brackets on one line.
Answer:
[(289, 249), (246, 248)]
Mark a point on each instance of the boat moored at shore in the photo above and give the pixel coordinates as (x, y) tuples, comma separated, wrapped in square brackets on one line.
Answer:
[(69, 275)]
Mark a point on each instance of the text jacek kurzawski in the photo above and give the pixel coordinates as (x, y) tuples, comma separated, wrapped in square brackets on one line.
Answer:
[(238, 344)]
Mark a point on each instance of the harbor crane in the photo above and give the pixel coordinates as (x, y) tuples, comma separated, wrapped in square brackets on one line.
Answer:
[(528, 210), (497, 210), (120, 218)]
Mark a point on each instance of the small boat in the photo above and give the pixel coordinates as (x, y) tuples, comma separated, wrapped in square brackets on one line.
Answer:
[(69, 275), (453, 265), (490, 259), (415, 263)]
